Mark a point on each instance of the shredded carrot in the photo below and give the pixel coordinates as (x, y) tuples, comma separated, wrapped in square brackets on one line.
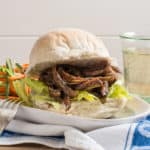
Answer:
[(2, 90), (25, 66), (13, 78), (2, 76), (2, 73), (17, 75), (27, 90), (2, 80), (10, 97)]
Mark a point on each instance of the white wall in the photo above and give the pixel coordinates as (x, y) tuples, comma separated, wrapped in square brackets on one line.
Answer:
[(22, 21)]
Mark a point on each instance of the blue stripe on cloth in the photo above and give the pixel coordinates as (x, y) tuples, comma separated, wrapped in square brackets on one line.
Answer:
[(148, 118), (10, 134), (141, 135)]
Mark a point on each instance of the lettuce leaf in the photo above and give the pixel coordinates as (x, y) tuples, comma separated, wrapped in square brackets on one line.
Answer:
[(39, 92), (19, 86), (84, 95), (117, 90), (36, 85), (44, 99)]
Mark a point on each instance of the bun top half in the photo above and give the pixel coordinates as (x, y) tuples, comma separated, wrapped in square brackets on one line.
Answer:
[(65, 45)]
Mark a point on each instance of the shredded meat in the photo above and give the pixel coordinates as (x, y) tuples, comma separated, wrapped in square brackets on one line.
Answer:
[(90, 84), (54, 92), (64, 80), (96, 72), (71, 79), (104, 89), (62, 84)]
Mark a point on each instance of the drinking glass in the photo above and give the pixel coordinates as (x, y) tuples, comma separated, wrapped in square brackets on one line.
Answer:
[(136, 58)]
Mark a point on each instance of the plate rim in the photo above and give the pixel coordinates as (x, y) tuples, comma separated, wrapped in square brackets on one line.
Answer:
[(136, 116)]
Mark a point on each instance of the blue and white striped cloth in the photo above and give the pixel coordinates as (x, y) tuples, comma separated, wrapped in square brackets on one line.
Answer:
[(140, 136), (135, 136)]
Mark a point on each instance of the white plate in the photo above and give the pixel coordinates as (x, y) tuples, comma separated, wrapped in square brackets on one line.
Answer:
[(137, 105)]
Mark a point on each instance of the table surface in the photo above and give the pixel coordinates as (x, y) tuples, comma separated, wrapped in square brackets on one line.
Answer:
[(27, 147)]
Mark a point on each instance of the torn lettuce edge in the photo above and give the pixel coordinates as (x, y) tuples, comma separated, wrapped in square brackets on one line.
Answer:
[(40, 93), (118, 91)]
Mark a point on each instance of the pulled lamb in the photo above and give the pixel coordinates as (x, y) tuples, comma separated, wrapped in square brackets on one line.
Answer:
[(64, 80)]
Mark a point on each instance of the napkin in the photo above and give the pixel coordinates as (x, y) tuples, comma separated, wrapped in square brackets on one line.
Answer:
[(131, 136)]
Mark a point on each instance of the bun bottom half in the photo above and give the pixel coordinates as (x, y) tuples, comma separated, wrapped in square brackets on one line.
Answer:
[(88, 109)]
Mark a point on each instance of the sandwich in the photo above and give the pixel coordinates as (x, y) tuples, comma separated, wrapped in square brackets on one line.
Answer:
[(71, 72)]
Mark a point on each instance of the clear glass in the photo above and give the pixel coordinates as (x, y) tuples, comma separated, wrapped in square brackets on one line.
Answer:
[(136, 57)]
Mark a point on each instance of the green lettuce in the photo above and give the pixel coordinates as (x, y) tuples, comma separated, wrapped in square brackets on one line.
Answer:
[(117, 90), (44, 99), (36, 86), (19, 86), (39, 92), (84, 95)]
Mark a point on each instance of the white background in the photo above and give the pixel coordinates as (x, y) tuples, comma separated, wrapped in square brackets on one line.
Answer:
[(23, 21)]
